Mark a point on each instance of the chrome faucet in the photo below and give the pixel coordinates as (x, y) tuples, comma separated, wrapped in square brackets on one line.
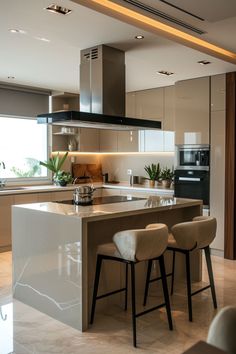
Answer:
[(2, 182)]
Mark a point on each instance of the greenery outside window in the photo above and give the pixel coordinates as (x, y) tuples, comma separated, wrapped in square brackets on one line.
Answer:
[(23, 143)]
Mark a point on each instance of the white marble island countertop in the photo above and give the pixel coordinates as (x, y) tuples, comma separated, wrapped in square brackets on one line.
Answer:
[(106, 211)]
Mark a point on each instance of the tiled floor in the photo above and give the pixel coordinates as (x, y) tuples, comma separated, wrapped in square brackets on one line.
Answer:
[(24, 330)]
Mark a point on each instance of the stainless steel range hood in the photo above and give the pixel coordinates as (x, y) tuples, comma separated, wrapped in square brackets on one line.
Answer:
[(102, 94)]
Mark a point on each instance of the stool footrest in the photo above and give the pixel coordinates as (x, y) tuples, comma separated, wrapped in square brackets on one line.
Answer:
[(150, 310), (110, 293), (159, 278), (200, 290)]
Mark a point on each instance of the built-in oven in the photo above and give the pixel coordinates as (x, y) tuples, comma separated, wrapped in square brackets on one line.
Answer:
[(194, 184), (195, 157)]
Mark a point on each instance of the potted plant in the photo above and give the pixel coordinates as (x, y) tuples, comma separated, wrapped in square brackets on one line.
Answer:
[(153, 172), (54, 164), (62, 178), (167, 176)]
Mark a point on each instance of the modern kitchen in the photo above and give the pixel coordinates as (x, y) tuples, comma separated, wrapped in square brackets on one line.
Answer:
[(117, 176)]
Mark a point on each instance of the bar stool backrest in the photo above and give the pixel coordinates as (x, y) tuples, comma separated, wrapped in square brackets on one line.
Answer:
[(198, 233), (142, 244)]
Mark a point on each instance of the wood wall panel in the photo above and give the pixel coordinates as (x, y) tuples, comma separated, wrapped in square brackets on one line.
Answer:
[(230, 173)]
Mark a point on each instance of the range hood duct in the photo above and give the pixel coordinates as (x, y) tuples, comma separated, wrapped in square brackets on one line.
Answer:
[(102, 94)]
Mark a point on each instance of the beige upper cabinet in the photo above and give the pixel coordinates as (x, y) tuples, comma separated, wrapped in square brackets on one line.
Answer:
[(89, 140), (169, 108), (128, 141), (218, 89), (108, 140), (130, 108), (192, 111), (150, 104)]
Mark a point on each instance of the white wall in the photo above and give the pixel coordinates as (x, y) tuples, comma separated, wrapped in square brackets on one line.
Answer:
[(117, 165)]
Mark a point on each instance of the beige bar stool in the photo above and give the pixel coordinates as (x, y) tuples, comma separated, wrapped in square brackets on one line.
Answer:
[(131, 247), (185, 238), (222, 330)]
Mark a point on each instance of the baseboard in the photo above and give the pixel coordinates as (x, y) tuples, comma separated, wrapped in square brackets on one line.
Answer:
[(218, 253)]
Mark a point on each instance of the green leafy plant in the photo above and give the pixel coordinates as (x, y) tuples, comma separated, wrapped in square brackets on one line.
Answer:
[(167, 174), (62, 178), (153, 171), (54, 163)]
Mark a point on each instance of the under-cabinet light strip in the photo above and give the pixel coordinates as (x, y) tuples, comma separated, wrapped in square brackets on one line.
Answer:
[(157, 25), (78, 153)]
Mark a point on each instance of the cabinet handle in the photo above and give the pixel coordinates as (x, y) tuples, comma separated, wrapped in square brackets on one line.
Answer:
[(191, 179)]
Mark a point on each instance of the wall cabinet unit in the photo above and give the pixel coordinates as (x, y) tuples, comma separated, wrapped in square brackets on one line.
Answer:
[(65, 101), (192, 99), (218, 92), (128, 141), (108, 140), (149, 104), (169, 108)]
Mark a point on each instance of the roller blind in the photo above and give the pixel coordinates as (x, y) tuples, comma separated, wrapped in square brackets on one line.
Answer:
[(23, 101)]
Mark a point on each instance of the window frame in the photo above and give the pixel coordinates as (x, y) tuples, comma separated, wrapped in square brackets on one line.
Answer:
[(31, 180)]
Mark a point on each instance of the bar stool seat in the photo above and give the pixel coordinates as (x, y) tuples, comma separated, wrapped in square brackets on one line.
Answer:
[(109, 249), (184, 238), (131, 247)]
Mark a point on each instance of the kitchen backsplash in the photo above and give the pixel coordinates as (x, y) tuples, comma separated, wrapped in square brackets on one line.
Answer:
[(117, 165)]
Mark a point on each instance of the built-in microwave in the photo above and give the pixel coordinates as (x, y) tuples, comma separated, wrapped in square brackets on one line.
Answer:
[(196, 157)]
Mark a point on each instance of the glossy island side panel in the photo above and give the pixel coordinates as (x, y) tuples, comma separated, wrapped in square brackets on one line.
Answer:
[(47, 264)]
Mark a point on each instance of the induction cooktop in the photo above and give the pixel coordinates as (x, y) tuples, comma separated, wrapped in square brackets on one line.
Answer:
[(106, 200)]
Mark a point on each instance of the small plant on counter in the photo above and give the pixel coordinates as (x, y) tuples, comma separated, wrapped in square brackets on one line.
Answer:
[(55, 164), (167, 176), (62, 178), (153, 172)]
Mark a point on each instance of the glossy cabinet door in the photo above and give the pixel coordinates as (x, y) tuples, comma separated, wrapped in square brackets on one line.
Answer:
[(192, 99), (218, 92), (217, 176), (89, 140), (169, 108), (130, 105), (156, 141), (108, 140), (5, 224), (128, 141), (150, 104)]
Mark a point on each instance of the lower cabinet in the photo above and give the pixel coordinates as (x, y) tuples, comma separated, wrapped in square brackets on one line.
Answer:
[(6, 203)]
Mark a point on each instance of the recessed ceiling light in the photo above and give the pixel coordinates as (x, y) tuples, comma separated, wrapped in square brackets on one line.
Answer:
[(11, 77), (139, 37), (164, 72), (58, 9), (43, 39), (16, 30), (204, 62)]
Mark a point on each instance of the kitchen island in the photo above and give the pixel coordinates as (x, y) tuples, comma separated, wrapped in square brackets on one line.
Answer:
[(54, 251)]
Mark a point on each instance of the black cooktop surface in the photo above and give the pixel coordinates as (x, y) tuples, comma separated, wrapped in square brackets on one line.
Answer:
[(107, 200)]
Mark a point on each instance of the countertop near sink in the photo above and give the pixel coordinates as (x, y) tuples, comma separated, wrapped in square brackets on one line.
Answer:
[(48, 188)]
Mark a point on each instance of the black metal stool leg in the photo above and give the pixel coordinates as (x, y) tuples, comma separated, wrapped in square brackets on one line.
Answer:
[(149, 269), (189, 294), (126, 286), (95, 289), (210, 274), (173, 274), (165, 290), (133, 303)]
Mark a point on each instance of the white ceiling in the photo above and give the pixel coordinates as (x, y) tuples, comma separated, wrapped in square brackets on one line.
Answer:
[(55, 64)]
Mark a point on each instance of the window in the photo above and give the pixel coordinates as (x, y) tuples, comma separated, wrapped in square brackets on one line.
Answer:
[(23, 143)]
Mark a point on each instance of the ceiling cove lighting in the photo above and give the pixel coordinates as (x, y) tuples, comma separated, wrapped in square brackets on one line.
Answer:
[(165, 73), (58, 9), (123, 13)]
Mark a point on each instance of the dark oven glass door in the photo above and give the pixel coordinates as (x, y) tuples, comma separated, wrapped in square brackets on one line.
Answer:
[(195, 186)]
